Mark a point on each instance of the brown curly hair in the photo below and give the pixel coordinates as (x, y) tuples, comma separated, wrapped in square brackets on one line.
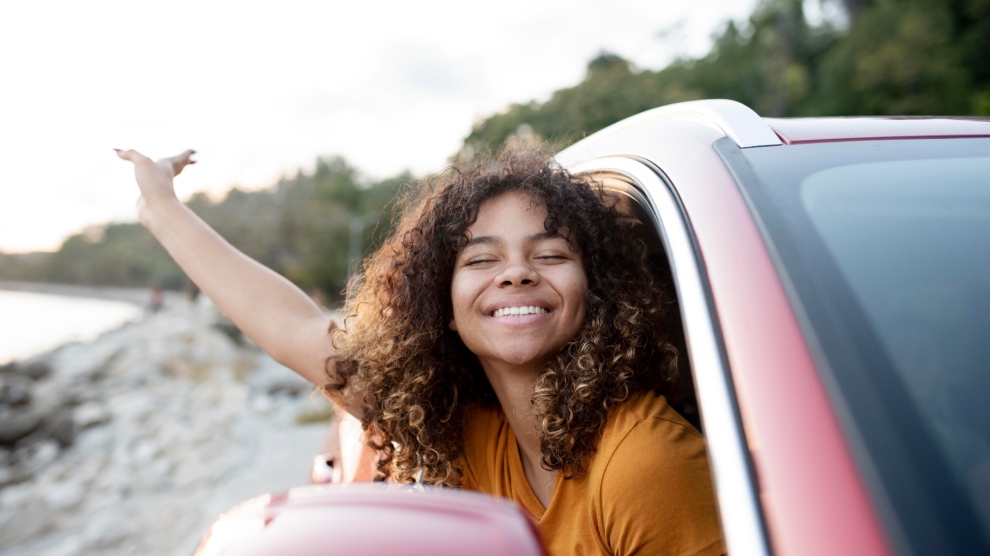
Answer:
[(417, 378)]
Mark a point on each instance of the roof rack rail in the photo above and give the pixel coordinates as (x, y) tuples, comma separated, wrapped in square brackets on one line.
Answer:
[(738, 121)]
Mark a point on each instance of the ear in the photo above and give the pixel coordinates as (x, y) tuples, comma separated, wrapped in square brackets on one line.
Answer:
[(452, 324)]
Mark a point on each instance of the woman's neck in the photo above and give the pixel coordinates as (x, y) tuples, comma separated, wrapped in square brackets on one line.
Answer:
[(514, 389)]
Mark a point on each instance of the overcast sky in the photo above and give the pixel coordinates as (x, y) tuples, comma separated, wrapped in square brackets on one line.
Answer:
[(261, 90)]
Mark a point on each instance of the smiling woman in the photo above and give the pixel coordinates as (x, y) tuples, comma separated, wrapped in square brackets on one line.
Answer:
[(508, 338), (517, 290)]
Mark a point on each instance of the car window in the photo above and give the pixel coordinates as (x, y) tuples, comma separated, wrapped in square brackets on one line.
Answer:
[(683, 398), (885, 247)]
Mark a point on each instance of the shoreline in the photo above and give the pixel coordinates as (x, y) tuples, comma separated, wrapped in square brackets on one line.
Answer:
[(138, 298), (134, 296), (136, 441)]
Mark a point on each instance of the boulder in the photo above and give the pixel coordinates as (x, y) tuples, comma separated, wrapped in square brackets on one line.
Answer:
[(90, 414), (22, 514), (41, 415), (17, 424), (15, 389), (63, 496), (34, 368)]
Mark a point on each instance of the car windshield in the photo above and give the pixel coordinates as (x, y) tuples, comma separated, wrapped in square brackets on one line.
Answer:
[(886, 249)]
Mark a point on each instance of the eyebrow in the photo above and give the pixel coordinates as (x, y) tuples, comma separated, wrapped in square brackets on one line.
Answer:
[(497, 240)]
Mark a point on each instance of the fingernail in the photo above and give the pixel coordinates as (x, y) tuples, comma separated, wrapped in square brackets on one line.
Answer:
[(118, 151)]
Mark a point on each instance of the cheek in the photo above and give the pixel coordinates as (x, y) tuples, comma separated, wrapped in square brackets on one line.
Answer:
[(460, 301), (577, 292)]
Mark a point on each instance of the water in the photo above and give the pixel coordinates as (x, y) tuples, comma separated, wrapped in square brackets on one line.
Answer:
[(31, 323)]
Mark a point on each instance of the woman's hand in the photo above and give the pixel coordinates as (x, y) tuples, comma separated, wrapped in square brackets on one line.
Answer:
[(273, 312), (154, 179)]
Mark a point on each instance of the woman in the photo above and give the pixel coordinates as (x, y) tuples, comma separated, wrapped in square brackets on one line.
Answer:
[(508, 338)]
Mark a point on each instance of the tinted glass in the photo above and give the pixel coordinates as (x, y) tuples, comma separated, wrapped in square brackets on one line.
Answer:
[(887, 249)]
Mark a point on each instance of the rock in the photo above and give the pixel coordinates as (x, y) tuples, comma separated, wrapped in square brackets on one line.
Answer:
[(153, 476), (43, 453), (143, 451), (90, 414), (135, 406), (71, 546), (230, 330), (107, 528), (262, 404), (272, 378), (155, 422), (11, 475), (15, 425), (63, 496), (35, 368), (15, 389), (93, 440), (85, 362), (22, 514), (63, 428)]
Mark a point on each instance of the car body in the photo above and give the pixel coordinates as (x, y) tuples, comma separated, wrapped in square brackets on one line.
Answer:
[(819, 442)]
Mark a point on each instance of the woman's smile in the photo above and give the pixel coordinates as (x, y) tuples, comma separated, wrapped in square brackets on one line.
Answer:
[(518, 291)]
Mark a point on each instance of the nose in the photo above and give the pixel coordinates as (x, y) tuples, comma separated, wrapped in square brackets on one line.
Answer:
[(518, 273)]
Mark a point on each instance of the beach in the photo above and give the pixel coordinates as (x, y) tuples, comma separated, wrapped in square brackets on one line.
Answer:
[(135, 441)]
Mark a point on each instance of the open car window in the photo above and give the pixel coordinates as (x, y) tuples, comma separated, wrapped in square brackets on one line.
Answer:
[(651, 201)]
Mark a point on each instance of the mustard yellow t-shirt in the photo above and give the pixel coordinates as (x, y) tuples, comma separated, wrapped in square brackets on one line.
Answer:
[(647, 489)]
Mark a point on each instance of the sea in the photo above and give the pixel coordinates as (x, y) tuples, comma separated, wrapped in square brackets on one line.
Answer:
[(32, 323)]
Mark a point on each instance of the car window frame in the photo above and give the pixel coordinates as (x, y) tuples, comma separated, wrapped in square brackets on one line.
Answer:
[(734, 478)]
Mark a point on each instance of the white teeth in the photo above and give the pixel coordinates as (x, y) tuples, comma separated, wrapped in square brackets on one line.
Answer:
[(519, 311)]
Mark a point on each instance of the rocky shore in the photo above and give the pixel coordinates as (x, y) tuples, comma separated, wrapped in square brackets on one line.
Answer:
[(135, 442)]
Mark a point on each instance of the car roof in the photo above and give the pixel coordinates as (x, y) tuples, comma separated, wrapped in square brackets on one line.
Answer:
[(796, 131), (747, 129)]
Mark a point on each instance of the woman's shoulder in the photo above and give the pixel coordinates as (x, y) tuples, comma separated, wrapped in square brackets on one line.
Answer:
[(651, 482), (646, 437), (644, 414)]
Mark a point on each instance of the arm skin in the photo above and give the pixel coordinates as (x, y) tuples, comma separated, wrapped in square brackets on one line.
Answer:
[(269, 309)]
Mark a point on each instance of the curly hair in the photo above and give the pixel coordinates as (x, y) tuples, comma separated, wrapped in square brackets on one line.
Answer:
[(419, 381)]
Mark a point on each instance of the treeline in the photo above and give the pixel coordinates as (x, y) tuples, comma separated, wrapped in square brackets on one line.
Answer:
[(889, 57), (308, 228)]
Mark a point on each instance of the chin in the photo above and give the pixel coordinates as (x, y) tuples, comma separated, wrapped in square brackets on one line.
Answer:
[(527, 358)]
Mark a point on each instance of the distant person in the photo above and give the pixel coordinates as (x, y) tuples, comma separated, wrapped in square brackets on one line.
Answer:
[(508, 338), (157, 298)]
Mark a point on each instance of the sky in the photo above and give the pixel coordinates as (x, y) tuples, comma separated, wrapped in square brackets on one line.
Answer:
[(261, 90)]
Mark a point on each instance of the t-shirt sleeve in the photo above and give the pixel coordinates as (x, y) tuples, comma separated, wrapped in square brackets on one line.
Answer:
[(656, 494)]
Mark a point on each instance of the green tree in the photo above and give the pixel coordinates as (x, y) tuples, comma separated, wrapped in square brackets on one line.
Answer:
[(899, 58)]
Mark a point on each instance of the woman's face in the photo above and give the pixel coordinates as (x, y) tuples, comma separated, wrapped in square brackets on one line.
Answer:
[(518, 292)]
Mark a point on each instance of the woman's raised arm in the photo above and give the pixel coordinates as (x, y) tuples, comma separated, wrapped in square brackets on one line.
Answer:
[(272, 311)]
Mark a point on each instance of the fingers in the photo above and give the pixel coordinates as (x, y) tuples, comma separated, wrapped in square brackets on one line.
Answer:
[(179, 161), (132, 156)]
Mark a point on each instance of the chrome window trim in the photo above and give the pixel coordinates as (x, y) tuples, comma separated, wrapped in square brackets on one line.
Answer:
[(735, 485)]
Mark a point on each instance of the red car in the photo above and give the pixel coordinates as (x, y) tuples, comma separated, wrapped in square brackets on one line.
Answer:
[(833, 282)]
